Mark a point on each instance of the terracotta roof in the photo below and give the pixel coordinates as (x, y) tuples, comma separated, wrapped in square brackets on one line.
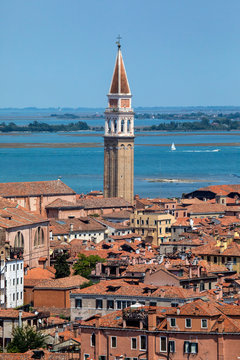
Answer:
[(13, 215), (37, 274), (70, 282), (119, 84), (63, 226), (29, 355), (124, 214), (199, 308), (221, 189), (182, 222), (14, 314), (18, 189), (99, 203), (62, 204), (124, 288), (206, 208), (191, 201)]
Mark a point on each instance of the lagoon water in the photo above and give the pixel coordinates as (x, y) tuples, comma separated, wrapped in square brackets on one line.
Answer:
[(82, 168)]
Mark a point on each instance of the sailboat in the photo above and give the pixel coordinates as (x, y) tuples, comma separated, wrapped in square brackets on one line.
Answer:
[(173, 147)]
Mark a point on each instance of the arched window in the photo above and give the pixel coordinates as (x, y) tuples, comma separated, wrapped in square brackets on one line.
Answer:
[(128, 126), (93, 339), (39, 237), (19, 240), (122, 125)]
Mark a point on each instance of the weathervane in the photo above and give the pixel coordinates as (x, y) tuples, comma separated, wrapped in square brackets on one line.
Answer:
[(118, 41)]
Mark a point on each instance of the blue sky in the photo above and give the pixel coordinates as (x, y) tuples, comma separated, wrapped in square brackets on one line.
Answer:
[(176, 52)]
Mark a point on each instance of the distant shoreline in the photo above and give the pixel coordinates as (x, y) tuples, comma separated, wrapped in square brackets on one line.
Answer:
[(99, 145)]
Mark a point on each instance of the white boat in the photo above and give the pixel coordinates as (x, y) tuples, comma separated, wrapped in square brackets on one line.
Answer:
[(173, 147)]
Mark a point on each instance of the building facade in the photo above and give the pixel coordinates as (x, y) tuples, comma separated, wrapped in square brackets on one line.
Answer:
[(119, 136)]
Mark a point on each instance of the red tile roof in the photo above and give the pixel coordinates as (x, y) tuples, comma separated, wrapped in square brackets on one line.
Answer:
[(71, 282), (99, 203), (19, 189), (61, 227)]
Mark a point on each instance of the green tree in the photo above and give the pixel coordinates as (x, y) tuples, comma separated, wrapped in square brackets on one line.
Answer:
[(61, 266), (25, 338), (86, 264)]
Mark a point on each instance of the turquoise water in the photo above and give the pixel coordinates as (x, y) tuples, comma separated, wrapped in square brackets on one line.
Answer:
[(82, 168)]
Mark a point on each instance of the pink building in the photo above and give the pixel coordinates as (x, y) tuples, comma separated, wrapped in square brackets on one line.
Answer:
[(197, 330)]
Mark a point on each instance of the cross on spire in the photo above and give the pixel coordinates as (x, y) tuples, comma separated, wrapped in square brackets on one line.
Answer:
[(118, 41)]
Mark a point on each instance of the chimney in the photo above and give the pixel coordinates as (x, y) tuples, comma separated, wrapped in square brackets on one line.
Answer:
[(20, 318), (56, 337), (190, 271), (198, 271), (152, 319), (75, 330)]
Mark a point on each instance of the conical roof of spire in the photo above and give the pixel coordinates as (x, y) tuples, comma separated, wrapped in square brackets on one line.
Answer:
[(119, 84)]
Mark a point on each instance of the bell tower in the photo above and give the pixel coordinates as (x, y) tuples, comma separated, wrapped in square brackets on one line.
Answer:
[(119, 136)]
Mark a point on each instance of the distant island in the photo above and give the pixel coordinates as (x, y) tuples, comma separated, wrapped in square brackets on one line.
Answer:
[(207, 122), (40, 127)]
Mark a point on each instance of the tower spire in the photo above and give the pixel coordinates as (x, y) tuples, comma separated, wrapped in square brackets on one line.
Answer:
[(119, 84)]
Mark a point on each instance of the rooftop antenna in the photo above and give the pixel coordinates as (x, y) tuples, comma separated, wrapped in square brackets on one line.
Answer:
[(118, 41)]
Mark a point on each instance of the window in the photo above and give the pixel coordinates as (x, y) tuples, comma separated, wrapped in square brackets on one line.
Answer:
[(190, 347), (204, 323), (133, 343), (13, 267), (78, 303), (171, 346), (152, 303), (163, 344), (234, 261), (143, 342), (13, 281), (188, 323), (21, 280), (17, 281), (202, 286), (21, 265), (19, 240), (17, 266), (119, 305), (208, 258), (113, 341), (13, 297), (215, 260), (21, 295), (17, 295), (110, 304), (99, 304), (39, 237), (93, 339), (172, 322)]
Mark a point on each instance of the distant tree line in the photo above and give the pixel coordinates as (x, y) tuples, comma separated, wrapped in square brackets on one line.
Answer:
[(39, 127), (205, 124)]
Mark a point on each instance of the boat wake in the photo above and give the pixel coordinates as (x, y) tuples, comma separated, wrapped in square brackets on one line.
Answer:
[(201, 151)]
